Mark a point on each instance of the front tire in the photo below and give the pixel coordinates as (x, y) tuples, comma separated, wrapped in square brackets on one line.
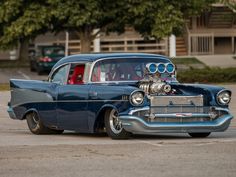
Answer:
[(199, 135), (37, 127), (113, 126)]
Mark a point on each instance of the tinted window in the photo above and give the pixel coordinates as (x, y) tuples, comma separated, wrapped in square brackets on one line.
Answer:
[(122, 69), (60, 75)]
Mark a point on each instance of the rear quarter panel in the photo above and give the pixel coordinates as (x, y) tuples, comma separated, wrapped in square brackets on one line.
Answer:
[(27, 95)]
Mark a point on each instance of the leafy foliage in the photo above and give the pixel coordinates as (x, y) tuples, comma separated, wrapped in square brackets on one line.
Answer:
[(230, 3), (160, 18), (21, 20), (207, 75), (25, 19)]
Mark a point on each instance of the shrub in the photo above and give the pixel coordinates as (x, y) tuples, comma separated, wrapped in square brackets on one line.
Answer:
[(207, 75)]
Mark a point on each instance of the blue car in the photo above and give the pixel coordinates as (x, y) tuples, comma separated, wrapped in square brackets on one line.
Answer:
[(122, 94)]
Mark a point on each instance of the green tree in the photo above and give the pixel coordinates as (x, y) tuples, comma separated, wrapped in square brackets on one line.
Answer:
[(86, 16), (22, 20), (25, 19), (152, 18), (160, 18), (230, 3)]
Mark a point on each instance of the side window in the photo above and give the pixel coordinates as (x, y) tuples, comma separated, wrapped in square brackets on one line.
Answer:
[(60, 75), (76, 74)]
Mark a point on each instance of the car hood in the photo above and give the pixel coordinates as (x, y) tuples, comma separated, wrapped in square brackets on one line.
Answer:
[(208, 91)]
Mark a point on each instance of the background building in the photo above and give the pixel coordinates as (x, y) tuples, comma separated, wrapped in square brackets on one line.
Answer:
[(212, 32)]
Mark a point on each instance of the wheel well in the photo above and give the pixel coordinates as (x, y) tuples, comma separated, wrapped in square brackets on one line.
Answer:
[(29, 112), (99, 123)]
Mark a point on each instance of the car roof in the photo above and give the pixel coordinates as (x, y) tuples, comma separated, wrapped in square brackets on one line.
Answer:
[(96, 56)]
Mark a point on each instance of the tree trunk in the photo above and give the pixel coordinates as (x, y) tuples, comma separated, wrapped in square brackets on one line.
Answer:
[(24, 51), (86, 38), (85, 44)]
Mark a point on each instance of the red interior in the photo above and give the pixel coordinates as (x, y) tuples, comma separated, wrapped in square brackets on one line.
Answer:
[(77, 76)]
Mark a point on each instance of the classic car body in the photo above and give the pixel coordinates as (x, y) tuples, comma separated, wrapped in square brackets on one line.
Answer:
[(121, 94), (46, 57)]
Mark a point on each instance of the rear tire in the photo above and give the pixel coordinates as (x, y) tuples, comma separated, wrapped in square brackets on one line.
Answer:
[(113, 126), (39, 71), (199, 135), (37, 127), (32, 67)]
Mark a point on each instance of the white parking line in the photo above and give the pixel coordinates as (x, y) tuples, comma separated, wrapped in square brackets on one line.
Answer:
[(150, 143), (24, 75), (193, 143), (3, 106), (231, 140)]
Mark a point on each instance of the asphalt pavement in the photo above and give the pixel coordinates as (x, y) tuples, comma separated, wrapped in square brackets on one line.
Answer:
[(19, 73), (23, 154)]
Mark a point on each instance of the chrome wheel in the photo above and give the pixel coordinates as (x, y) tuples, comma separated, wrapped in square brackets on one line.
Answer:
[(113, 125), (37, 127), (35, 121), (114, 121)]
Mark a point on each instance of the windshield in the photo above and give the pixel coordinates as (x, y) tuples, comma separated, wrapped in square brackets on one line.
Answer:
[(125, 69)]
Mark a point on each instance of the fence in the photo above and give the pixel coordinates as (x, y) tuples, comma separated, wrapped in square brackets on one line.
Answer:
[(201, 44), (123, 44)]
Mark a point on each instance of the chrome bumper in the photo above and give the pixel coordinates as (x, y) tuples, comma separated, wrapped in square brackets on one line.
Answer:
[(11, 113), (136, 124)]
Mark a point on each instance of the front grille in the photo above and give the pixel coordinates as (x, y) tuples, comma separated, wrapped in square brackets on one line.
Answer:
[(179, 109), (177, 104)]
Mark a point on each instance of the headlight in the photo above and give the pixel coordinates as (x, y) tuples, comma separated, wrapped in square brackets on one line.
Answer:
[(137, 98), (223, 97)]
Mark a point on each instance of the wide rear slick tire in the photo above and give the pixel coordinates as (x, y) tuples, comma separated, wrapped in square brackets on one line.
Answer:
[(37, 127), (199, 135), (113, 126)]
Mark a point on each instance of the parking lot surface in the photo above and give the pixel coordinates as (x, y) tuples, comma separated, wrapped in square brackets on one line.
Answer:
[(73, 154), (19, 73)]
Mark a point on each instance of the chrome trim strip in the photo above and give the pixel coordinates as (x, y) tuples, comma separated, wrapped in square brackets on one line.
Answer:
[(221, 109), (170, 115), (109, 82), (179, 96), (137, 125), (146, 108), (66, 101), (180, 115)]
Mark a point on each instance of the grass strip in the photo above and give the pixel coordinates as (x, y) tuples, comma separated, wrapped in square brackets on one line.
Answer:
[(4, 87)]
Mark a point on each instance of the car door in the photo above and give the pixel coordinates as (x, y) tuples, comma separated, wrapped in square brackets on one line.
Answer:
[(72, 102)]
